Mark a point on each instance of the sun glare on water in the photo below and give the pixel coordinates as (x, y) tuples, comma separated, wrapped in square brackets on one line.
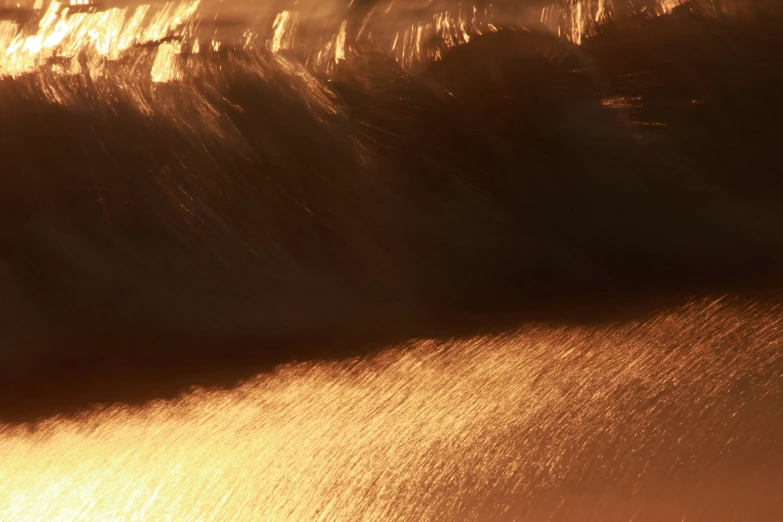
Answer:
[(675, 417), (80, 37), (103, 34)]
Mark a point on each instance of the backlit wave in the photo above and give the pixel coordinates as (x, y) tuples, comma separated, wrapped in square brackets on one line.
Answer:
[(81, 38)]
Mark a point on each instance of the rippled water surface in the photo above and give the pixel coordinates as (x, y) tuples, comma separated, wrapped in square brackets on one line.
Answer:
[(675, 418)]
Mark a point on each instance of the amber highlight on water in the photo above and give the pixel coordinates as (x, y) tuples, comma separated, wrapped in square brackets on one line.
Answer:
[(674, 418)]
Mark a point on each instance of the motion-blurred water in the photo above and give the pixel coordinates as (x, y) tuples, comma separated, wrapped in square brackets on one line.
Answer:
[(675, 418), (374, 163), (195, 192)]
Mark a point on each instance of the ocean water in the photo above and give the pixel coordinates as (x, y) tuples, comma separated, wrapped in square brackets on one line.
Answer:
[(297, 260), (676, 417)]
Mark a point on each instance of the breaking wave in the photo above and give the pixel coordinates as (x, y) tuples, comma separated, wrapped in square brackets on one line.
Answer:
[(195, 171)]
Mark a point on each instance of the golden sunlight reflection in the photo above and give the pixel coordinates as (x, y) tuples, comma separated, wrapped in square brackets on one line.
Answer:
[(339, 48), (103, 33), (284, 27), (576, 20), (165, 68), (674, 418), (449, 28), (94, 34)]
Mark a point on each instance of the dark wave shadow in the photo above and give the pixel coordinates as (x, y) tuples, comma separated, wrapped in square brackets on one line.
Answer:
[(155, 237)]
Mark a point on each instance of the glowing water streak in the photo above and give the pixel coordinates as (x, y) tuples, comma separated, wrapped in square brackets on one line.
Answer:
[(103, 34), (576, 20), (165, 67), (667, 419), (448, 28), (284, 31)]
